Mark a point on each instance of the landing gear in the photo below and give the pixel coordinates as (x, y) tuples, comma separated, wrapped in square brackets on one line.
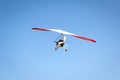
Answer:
[(66, 50), (55, 49)]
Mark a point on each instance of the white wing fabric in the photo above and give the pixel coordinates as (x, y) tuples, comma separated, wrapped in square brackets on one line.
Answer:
[(64, 32)]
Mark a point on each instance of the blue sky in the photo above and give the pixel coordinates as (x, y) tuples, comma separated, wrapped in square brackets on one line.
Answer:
[(30, 55)]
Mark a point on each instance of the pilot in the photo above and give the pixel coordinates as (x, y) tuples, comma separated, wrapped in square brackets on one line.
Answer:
[(60, 42)]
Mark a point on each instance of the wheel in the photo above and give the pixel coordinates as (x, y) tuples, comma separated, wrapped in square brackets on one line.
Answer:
[(55, 49), (66, 50)]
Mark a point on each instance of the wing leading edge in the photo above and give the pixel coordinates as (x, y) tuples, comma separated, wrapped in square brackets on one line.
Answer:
[(64, 32)]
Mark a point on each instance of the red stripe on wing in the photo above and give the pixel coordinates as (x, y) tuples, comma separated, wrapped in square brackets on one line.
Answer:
[(84, 38), (42, 29)]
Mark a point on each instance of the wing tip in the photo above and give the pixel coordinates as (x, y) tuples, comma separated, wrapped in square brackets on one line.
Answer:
[(42, 29), (93, 40)]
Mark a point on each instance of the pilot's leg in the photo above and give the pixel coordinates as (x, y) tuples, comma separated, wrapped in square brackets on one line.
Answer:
[(57, 46)]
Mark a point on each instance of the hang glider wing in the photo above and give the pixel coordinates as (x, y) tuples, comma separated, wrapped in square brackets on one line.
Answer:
[(64, 32)]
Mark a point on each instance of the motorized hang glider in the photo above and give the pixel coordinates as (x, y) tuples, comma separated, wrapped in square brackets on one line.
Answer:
[(62, 32)]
